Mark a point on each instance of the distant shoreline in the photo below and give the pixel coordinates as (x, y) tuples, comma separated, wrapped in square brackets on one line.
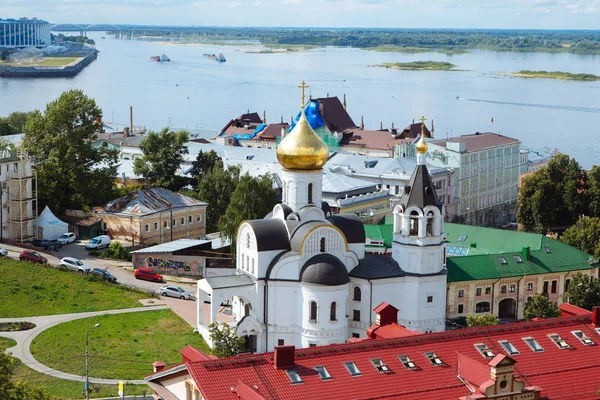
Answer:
[(420, 66), (551, 75)]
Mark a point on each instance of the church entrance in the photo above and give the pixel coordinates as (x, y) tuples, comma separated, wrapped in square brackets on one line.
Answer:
[(507, 308)]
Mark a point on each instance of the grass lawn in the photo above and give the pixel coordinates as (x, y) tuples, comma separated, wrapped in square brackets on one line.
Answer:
[(63, 389), (32, 289), (47, 62), (6, 343), (124, 346)]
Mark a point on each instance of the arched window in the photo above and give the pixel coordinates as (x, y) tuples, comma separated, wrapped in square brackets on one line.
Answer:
[(414, 223), (357, 294), (247, 263), (247, 240), (322, 245), (429, 231), (246, 309), (313, 311), (332, 312), (310, 194), (252, 268), (242, 262)]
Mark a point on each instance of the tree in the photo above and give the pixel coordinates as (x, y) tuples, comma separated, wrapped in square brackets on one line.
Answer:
[(71, 172), (10, 390), (583, 291), (540, 307), (216, 188), (163, 155), (5, 128), (253, 198), (17, 120), (553, 197), (585, 235), (204, 163), (225, 342), (592, 191), (481, 320)]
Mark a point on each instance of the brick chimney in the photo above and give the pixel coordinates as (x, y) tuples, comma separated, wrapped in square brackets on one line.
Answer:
[(596, 316), (158, 366), (284, 357), (386, 314)]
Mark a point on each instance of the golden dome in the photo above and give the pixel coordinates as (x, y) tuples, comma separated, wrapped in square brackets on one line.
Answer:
[(302, 148), (421, 145)]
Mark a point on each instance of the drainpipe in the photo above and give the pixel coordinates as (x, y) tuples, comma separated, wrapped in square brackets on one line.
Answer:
[(493, 291), (519, 291), (371, 304), (265, 311)]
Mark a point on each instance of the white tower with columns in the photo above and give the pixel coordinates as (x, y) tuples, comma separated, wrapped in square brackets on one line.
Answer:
[(419, 247)]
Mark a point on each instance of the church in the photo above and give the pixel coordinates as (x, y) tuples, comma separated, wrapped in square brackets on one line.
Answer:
[(302, 276)]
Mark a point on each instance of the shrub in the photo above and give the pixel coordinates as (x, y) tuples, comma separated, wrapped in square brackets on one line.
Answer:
[(118, 252)]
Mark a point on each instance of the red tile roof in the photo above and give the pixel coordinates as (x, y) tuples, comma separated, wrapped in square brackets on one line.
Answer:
[(561, 373), (380, 140), (569, 310), (189, 353)]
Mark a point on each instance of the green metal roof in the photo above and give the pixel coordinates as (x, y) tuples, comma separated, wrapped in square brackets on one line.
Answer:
[(487, 245)]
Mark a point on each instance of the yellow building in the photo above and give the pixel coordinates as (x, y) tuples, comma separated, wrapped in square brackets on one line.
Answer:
[(152, 216)]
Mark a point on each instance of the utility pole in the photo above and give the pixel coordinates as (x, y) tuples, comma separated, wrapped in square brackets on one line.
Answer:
[(171, 224), (87, 363)]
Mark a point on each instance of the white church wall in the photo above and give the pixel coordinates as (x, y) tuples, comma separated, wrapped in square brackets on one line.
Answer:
[(358, 249), (285, 312), (364, 306), (324, 331), (295, 188), (419, 259), (415, 309)]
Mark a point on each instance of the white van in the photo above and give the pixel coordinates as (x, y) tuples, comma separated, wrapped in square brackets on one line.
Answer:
[(99, 242)]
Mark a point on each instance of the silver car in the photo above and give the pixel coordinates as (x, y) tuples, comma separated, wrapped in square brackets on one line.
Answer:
[(3, 252), (174, 291), (75, 265)]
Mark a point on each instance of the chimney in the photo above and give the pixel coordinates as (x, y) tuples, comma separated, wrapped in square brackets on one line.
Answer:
[(264, 117), (344, 100), (125, 131), (282, 119), (596, 316), (130, 118), (386, 314), (158, 366), (526, 252), (283, 357), (431, 128), (393, 126), (381, 125), (362, 123)]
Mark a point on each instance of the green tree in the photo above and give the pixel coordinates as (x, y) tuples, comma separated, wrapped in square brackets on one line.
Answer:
[(225, 342), (592, 192), (163, 155), (585, 235), (583, 291), (540, 307), (552, 198), (216, 188), (17, 120), (6, 128), (204, 163), (71, 173), (481, 320), (10, 390), (253, 198)]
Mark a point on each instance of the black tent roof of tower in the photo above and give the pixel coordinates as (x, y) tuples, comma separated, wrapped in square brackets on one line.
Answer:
[(420, 191)]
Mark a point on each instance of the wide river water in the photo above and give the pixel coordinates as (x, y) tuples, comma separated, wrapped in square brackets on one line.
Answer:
[(197, 93)]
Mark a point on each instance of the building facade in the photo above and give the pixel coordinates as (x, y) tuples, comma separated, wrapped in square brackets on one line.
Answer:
[(24, 33)]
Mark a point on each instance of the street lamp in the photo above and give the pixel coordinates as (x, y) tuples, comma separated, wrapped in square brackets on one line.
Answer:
[(87, 363)]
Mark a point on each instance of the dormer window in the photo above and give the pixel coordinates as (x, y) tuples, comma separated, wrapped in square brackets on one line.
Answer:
[(435, 360), (407, 362), (583, 338), (380, 365), (508, 346), (535, 346), (484, 350), (560, 342)]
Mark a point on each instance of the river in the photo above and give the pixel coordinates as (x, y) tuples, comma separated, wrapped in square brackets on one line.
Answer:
[(197, 93)]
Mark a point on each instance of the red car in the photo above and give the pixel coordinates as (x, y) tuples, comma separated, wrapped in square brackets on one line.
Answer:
[(32, 256), (147, 275)]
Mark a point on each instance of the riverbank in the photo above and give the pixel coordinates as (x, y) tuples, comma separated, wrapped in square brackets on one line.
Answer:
[(551, 75), (420, 66), (403, 49), (50, 67)]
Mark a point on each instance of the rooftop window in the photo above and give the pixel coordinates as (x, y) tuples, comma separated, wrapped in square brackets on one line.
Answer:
[(352, 368), (323, 373), (535, 346), (546, 249), (583, 338), (293, 375), (435, 360), (380, 365), (484, 350), (502, 260), (560, 342), (508, 346), (457, 251), (518, 259), (462, 238), (407, 362)]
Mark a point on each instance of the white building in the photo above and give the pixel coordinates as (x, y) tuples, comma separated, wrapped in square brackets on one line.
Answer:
[(302, 276), (24, 32)]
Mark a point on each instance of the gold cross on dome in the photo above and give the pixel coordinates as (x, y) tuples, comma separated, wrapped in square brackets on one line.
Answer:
[(303, 86), (423, 119)]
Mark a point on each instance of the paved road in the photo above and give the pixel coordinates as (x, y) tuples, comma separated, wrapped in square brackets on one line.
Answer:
[(24, 339)]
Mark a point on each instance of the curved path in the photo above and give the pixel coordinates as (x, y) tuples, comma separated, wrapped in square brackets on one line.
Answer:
[(24, 339)]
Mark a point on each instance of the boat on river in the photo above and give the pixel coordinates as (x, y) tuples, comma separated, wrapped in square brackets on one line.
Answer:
[(219, 58), (163, 58)]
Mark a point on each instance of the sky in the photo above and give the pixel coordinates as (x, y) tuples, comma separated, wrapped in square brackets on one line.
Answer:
[(521, 14)]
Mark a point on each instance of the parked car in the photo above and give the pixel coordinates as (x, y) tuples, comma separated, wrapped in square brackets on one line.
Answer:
[(147, 275), (32, 256), (52, 245), (3, 252), (174, 291), (66, 238), (75, 265), (104, 274), (99, 242), (39, 243)]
